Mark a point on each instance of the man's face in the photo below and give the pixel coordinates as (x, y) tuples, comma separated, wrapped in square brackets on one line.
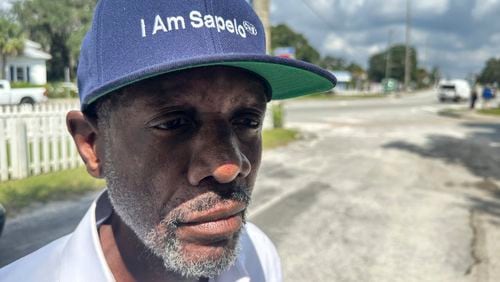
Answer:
[(181, 154)]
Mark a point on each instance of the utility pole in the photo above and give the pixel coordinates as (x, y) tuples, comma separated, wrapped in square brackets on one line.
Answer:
[(408, 49), (261, 7), (388, 63)]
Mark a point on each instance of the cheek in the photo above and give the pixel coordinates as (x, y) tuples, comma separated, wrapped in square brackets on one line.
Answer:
[(253, 147), (150, 167), (252, 150), (164, 166)]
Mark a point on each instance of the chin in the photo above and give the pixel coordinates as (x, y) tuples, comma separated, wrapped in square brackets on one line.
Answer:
[(218, 251), (194, 260)]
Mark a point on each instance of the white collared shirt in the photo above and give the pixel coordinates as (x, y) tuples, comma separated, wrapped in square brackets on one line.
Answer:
[(79, 257)]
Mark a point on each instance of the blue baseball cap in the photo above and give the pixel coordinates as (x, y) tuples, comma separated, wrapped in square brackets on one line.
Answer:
[(132, 40)]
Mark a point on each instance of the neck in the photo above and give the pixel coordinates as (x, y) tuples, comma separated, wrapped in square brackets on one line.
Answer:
[(128, 258)]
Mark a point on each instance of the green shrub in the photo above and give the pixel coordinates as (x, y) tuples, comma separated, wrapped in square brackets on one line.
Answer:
[(278, 113), (59, 90), (24, 85)]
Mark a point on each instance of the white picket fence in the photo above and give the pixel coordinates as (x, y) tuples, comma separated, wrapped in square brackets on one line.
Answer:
[(34, 140)]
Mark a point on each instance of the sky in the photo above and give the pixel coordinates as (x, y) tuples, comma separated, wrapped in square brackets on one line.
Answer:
[(5, 4), (458, 36)]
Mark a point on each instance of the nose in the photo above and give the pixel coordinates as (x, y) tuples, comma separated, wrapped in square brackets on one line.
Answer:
[(216, 153), (226, 173)]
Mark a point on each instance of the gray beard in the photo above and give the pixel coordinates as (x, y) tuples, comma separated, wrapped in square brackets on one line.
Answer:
[(136, 209)]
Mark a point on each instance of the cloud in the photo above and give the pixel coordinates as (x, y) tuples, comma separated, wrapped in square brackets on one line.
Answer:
[(457, 36), (485, 8)]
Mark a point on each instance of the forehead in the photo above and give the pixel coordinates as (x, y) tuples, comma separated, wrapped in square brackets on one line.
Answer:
[(211, 87)]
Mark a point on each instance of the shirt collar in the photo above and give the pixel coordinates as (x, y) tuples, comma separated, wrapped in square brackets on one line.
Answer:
[(83, 257)]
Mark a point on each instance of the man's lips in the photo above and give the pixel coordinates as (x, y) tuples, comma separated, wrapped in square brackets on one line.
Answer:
[(217, 224)]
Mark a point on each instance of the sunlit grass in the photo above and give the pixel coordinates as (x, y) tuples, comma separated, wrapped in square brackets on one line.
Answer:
[(493, 112), (17, 194), (273, 138), (331, 96)]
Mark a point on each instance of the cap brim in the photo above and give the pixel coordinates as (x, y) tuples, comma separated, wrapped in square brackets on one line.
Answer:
[(287, 78)]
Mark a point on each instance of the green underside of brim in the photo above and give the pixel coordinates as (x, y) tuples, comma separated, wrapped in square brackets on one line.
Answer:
[(286, 81)]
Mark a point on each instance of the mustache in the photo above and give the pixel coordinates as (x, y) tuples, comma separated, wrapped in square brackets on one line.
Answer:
[(220, 193), (217, 193)]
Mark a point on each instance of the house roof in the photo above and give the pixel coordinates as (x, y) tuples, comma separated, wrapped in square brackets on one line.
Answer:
[(34, 50), (342, 76)]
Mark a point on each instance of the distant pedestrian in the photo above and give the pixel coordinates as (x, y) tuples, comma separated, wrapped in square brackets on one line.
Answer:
[(487, 96), (473, 97)]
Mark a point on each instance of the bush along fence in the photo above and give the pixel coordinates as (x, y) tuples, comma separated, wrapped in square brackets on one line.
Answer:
[(34, 140)]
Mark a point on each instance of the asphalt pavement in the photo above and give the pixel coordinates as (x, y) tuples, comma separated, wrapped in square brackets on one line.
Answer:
[(376, 190), (384, 190)]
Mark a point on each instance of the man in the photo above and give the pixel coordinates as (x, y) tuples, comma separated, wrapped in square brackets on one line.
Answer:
[(473, 97), (173, 96)]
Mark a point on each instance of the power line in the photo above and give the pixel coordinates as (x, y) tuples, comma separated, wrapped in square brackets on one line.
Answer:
[(311, 7)]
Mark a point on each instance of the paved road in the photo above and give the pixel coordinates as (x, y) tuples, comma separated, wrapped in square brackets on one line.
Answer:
[(386, 190), (43, 224), (378, 190)]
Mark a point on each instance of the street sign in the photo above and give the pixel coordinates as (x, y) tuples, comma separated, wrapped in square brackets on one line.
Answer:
[(285, 52), (390, 85)]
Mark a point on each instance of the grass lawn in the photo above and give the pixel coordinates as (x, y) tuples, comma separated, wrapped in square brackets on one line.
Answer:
[(454, 113), (491, 112), (273, 138), (17, 194), (328, 96)]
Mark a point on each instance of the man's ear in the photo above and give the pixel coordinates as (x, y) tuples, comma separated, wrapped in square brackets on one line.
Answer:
[(85, 135)]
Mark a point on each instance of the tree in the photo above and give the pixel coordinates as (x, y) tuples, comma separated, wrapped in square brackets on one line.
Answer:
[(377, 64), (423, 78), (356, 70), (490, 72), (11, 40), (435, 75), (283, 36), (333, 63), (59, 25)]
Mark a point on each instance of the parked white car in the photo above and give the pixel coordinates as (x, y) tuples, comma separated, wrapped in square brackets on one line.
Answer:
[(455, 90), (10, 96)]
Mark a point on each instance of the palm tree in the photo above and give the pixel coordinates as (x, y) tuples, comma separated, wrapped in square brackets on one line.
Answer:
[(11, 41)]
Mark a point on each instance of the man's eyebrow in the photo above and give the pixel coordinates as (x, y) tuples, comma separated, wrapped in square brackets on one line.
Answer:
[(168, 110), (255, 104)]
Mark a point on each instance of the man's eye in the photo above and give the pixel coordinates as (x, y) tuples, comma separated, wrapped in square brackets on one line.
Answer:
[(247, 122), (173, 124)]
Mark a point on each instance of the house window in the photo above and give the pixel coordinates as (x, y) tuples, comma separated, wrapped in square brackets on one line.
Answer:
[(11, 77), (19, 74), (28, 74)]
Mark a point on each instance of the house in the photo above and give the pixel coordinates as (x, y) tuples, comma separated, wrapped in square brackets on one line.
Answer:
[(344, 79), (30, 66)]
